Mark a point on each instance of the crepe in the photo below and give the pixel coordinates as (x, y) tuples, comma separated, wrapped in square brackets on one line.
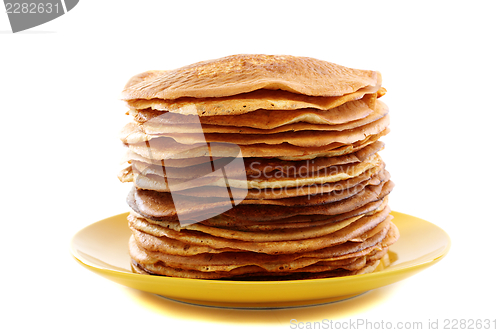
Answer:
[(168, 148), (132, 134), (161, 206), (240, 74), (264, 121), (264, 117), (257, 167), (350, 231), (167, 183), (253, 166), (293, 222), (350, 256)]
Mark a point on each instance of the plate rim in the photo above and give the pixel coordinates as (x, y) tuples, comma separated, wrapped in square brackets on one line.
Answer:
[(339, 286)]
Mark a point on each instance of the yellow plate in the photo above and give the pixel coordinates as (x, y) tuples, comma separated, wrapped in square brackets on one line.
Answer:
[(102, 248)]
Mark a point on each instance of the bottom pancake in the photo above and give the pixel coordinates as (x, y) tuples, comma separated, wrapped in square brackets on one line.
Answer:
[(370, 266), (356, 256)]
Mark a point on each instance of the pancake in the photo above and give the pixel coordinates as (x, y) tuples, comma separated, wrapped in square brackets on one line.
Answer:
[(352, 230), (160, 205), (243, 104), (132, 134), (269, 212), (240, 74), (174, 163), (272, 231), (259, 122), (241, 274), (264, 118), (371, 176), (241, 181), (253, 166), (227, 261), (290, 223), (244, 265), (257, 168), (257, 236), (167, 148), (348, 249)]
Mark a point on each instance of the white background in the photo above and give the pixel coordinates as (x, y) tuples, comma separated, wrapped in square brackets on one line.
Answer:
[(60, 87)]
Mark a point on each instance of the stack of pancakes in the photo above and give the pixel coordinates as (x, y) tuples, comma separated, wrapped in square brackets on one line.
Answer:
[(257, 167)]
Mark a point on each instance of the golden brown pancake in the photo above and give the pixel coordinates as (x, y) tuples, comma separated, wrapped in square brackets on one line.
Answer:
[(266, 122), (132, 134), (294, 222), (269, 212), (371, 176), (242, 104), (256, 167), (253, 166), (349, 256), (348, 232), (174, 163), (265, 118), (167, 148), (277, 180), (160, 205), (240, 74)]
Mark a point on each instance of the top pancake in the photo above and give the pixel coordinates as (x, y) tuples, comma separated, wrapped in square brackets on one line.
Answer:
[(240, 74)]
